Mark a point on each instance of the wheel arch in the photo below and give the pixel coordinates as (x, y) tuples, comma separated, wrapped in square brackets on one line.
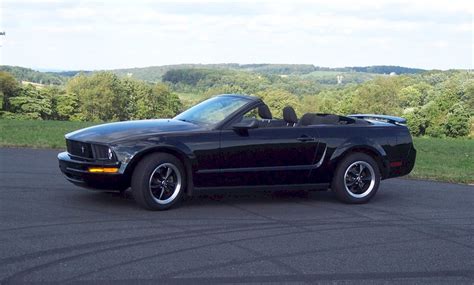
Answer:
[(181, 155), (377, 153)]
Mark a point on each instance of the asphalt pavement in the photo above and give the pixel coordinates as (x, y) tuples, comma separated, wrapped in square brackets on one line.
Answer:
[(52, 231)]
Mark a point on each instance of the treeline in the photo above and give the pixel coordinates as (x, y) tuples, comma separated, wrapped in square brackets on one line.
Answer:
[(436, 103), (155, 73), (102, 96), (385, 69), (213, 81), (30, 75), (202, 79)]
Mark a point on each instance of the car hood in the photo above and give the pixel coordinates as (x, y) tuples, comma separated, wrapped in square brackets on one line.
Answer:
[(109, 133)]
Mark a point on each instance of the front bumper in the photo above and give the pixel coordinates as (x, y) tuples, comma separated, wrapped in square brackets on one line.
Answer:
[(76, 172)]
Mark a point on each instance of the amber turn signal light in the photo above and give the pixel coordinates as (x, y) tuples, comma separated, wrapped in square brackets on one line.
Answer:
[(103, 169)]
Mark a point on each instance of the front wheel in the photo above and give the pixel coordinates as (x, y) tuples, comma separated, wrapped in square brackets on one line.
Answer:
[(158, 181), (356, 179)]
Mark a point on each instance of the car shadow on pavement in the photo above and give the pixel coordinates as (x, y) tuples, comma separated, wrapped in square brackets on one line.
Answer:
[(205, 198)]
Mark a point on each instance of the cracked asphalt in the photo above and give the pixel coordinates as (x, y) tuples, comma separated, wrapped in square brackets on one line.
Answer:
[(54, 232)]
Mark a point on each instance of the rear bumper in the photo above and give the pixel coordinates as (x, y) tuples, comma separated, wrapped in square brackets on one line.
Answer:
[(76, 172), (406, 165), (410, 163)]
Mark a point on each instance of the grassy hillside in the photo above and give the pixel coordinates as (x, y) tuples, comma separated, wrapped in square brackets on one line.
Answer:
[(438, 159), (38, 134), (444, 159)]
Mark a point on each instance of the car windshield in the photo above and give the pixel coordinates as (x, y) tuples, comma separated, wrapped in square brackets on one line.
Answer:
[(212, 111)]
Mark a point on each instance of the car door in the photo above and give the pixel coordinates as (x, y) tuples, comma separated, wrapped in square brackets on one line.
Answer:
[(267, 155), (205, 158)]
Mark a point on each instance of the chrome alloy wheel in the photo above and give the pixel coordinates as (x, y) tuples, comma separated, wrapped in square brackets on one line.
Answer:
[(359, 179), (165, 183)]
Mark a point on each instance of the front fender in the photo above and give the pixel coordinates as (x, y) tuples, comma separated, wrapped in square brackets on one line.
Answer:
[(130, 154)]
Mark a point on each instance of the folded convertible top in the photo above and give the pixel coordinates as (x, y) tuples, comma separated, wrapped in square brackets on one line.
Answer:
[(385, 118)]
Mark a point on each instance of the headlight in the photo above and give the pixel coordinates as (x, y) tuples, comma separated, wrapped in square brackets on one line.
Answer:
[(110, 154), (103, 152), (123, 155)]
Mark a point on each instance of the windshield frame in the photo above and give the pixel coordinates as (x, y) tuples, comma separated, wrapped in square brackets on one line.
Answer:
[(249, 102)]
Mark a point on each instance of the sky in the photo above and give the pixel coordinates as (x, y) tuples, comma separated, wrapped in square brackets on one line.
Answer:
[(91, 35)]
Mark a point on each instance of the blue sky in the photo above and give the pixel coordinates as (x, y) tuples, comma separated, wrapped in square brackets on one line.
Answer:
[(117, 34)]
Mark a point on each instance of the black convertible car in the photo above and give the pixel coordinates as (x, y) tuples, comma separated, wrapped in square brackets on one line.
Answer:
[(233, 141)]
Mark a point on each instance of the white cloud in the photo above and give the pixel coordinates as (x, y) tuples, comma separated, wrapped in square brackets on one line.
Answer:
[(301, 31), (77, 12), (440, 44)]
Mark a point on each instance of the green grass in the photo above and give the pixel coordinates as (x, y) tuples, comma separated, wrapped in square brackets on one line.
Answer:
[(449, 160), (40, 134)]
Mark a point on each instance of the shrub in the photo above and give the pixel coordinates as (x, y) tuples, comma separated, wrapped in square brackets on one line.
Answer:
[(457, 122)]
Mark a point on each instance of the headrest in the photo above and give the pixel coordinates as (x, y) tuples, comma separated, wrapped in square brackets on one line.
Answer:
[(289, 115), (264, 112)]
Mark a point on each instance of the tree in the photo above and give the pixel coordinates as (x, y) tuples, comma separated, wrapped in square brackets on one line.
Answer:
[(457, 122), (324, 102), (468, 95), (223, 89), (417, 121), (135, 89), (101, 97), (33, 103), (168, 103), (279, 99), (410, 97), (149, 102), (379, 96), (9, 88), (67, 106), (189, 76)]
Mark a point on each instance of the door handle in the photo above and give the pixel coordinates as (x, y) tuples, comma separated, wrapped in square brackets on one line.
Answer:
[(305, 139)]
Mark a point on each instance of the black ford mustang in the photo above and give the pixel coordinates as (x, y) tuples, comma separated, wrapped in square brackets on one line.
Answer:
[(233, 141)]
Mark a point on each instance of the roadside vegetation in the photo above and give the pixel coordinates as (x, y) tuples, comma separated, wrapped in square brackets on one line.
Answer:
[(37, 134), (447, 159)]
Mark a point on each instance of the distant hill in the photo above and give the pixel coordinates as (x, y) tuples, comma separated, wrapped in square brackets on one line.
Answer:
[(30, 75), (70, 73), (386, 69), (155, 73)]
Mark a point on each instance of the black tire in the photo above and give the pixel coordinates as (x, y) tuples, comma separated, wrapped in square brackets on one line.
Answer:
[(146, 189), (349, 177)]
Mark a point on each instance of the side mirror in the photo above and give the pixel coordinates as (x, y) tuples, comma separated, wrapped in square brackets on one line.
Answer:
[(247, 125)]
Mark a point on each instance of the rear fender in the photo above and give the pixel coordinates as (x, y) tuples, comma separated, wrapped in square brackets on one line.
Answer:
[(366, 145)]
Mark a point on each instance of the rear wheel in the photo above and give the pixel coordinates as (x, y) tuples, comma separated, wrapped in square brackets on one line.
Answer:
[(158, 181), (356, 179)]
